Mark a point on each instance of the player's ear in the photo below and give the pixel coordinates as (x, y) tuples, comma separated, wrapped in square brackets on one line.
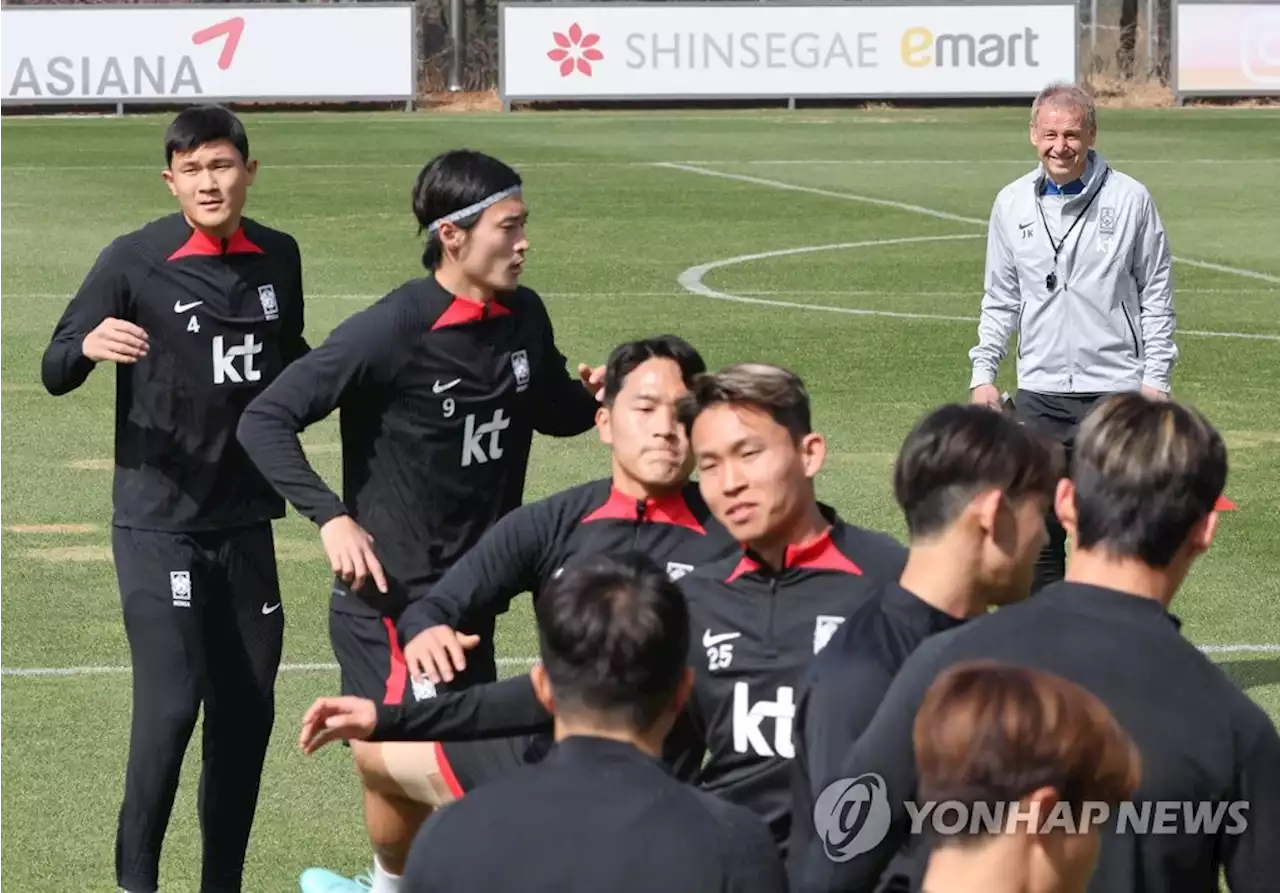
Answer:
[(986, 507), (1202, 534), (684, 690), (542, 687), (813, 453), (167, 176), (1064, 505), (603, 426), (251, 170)]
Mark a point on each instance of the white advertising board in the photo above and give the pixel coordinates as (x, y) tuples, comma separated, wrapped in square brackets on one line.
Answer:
[(77, 54), (709, 50), (1227, 49)]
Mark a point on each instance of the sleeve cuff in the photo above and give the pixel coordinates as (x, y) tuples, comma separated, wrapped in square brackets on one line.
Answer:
[(981, 376)]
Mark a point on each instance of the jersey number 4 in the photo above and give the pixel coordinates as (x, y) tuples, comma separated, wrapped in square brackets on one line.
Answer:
[(193, 324)]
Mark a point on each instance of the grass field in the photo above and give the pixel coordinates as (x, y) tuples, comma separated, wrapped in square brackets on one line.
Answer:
[(622, 246)]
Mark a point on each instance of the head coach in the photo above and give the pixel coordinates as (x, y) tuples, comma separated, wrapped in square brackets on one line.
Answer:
[(1078, 265)]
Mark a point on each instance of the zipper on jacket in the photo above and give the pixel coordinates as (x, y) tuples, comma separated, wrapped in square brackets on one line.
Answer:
[(773, 603), (635, 541), (1137, 348)]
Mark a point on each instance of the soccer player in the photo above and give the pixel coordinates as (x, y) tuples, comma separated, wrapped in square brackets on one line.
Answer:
[(198, 311), (601, 812), (1139, 507), (1050, 750), (974, 486), (441, 385), (763, 612), (647, 505)]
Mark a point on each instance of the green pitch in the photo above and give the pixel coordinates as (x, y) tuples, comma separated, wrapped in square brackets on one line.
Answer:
[(612, 234)]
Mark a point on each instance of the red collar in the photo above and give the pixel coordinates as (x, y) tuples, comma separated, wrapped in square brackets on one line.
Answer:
[(818, 554), (465, 310), (201, 244), (670, 509)]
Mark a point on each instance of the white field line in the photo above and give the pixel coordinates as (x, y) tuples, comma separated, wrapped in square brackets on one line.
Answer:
[(691, 281), (870, 162), (55, 672), (918, 209), (672, 293), (518, 662)]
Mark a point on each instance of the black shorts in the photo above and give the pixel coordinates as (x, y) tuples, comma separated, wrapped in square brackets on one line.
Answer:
[(466, 765), (369, 654)]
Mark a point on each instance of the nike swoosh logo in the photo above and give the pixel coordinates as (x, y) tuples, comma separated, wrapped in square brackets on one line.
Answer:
[(179, 307), (710, 641), (1025, 225), (439, 388), (271, 609)]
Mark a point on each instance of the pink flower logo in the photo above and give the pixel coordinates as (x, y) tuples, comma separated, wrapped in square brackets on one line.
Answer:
[(575, 50)]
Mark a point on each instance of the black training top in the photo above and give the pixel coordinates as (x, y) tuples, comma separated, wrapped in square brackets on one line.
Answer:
[(439, 397), (536, 542), (755, 630), (595, 815), (223, 318), (1205, 746), (844, 686)]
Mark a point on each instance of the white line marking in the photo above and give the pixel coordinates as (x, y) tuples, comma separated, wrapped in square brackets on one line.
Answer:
[(828, 193), (691, 280), (284, 668), (916, 209), (67, 672), (869, 162)]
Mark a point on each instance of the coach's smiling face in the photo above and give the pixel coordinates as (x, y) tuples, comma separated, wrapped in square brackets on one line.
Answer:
[(1062, 139)]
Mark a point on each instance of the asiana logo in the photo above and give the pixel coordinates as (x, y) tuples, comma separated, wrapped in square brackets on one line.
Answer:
[(575, 51)]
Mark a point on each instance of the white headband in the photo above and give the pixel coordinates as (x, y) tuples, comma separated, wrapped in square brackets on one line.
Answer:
[(469, 210)]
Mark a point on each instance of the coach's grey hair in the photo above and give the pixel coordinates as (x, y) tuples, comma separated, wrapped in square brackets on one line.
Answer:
[(1070, 96)]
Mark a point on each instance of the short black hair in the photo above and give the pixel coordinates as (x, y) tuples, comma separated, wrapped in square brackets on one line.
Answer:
[(614, 639), (630, 355), (771, 389), (450, 182), (1145, 472), (956, 451), (201, 124)]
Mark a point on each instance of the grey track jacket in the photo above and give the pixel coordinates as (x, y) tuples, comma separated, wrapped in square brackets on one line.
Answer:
[(1108, 325)]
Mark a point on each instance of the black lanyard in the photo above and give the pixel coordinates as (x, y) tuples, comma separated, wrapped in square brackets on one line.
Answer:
[(1051, 281)]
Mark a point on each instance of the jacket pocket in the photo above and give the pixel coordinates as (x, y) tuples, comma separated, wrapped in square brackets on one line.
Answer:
[(1133, 330)]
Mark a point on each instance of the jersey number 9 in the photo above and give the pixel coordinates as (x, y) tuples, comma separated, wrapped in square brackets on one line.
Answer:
[(449, 407)]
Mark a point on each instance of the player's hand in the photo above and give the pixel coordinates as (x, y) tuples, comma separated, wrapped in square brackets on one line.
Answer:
[(592, 380), (116, 341), (350, 550), (437, 652), (337, 719), (1154, 393), (986, 395)]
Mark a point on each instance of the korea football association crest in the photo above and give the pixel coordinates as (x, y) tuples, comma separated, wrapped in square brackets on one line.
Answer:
[(180, 588), (1107, 221), (823, 629), (267, 295), (520, 369)]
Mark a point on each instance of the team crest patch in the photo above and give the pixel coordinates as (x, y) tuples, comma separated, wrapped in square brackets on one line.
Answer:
[(676, 570), (520, 369), (1107, 221), (823, 629), (267, 295), (180, 588)]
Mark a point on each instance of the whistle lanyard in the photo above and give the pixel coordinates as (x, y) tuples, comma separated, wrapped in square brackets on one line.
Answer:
[(1051, 281)]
